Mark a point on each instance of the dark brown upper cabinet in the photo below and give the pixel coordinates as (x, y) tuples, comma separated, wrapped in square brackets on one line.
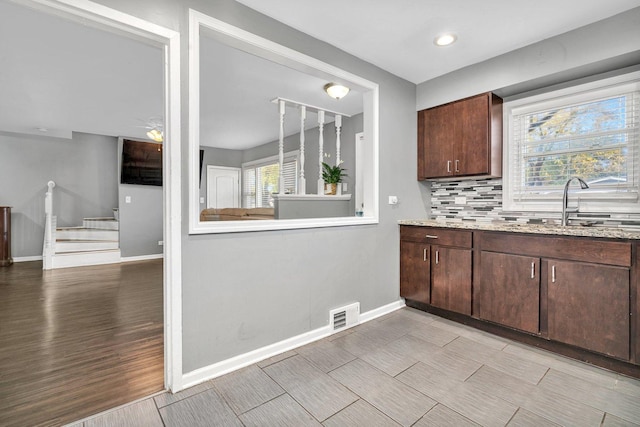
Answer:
[(461, 139)]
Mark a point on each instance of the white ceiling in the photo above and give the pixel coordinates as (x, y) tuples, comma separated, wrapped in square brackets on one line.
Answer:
[(64, 76), (236, 90), (68, 76), (398, 35)]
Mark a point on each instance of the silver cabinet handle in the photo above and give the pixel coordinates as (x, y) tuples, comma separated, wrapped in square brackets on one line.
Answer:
[(431, 236), (457, 165), (449, 166), (533, 270), (437, 258), (424, 254), (553, 274)]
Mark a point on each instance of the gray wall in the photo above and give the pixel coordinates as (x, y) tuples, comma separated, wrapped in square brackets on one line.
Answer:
[(84, 169), (141, 220), (243, 291), (217, 157)]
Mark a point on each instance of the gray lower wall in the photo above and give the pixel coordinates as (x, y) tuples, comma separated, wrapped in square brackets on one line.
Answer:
[(84, 169)]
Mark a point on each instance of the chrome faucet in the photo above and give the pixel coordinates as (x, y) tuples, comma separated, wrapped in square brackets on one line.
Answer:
[(565, 209)]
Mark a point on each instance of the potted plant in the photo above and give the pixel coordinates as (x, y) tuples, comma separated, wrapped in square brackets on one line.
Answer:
[(332, 176)]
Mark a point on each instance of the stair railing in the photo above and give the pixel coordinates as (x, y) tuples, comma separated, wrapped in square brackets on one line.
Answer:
[(49, 229)]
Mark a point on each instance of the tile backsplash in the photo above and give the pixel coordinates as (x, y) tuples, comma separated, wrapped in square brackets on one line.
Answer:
[(481, 201)]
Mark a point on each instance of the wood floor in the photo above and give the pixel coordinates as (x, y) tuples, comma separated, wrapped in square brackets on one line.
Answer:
[(78, 341)]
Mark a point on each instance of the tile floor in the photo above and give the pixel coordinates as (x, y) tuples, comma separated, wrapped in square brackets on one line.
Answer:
[(407, 368)]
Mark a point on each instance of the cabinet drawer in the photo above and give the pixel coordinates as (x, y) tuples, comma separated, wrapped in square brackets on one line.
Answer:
[(569, 248), (439, 236)]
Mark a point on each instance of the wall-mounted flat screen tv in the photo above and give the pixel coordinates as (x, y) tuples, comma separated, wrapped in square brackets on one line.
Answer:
[(141, 163)]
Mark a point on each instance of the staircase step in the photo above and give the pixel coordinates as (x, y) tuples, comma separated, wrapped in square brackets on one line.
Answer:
[(63, 246), (106, 223), (83, 233), (78, 259)]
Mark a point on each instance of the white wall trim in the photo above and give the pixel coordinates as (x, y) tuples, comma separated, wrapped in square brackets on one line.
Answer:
[(88, 11), (281, 54), (381, 311), (27, 258), (141, 257), (229, 365)]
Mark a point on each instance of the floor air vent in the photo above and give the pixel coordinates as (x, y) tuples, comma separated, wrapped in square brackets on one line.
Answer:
[(344, 317)]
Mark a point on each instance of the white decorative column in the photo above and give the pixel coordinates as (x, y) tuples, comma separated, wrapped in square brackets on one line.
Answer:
[(320, 150), (281, 149), (338, 123), (302, 183)]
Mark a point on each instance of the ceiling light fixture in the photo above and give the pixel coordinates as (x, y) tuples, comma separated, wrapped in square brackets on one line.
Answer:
[(155, 135), (445, 39), (336, 90)]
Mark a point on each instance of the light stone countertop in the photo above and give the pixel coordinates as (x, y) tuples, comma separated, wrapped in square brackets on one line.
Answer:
[(571, 230)]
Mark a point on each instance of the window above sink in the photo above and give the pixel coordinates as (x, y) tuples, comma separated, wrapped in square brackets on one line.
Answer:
[(590, 130)]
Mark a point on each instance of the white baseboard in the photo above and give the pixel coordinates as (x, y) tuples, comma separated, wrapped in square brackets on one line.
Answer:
[(27, 258), (381, 311), (229, 365), (140, 257)]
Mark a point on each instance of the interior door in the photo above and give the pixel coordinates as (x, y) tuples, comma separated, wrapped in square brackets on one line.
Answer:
[(223, 187)]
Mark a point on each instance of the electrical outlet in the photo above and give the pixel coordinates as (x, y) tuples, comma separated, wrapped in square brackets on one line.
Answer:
[(127, 199), (202, 200), (393, 200), (160, 242)]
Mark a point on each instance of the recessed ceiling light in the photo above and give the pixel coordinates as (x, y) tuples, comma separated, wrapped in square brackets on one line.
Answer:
[(335, 90), (445, 39)]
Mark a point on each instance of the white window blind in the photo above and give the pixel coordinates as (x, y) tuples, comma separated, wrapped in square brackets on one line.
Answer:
[(260, 180), (592, 134)]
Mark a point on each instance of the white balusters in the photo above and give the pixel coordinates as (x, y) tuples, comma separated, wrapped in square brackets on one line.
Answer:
[(49, 226), (302, 184), (281, 148), (338, 123), (320, 150)]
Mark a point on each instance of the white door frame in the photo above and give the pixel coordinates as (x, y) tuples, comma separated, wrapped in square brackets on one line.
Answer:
[(239, 170), (172, 286)]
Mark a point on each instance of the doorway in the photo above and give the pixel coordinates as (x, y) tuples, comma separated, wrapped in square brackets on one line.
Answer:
[(101, 18), (223, 187)]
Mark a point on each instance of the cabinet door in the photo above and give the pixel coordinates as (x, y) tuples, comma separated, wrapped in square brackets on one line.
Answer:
[(438, 139), (588, 306), (451, 279), (472, 148), (414, 271), (508, 291)]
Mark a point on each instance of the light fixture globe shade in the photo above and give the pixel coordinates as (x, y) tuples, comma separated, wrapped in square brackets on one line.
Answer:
[(335, 90), (155, 135)]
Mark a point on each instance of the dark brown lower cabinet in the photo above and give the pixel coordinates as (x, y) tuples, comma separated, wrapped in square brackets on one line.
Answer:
[(414, 271), (508, 290), (588, 306), (451, 279)]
